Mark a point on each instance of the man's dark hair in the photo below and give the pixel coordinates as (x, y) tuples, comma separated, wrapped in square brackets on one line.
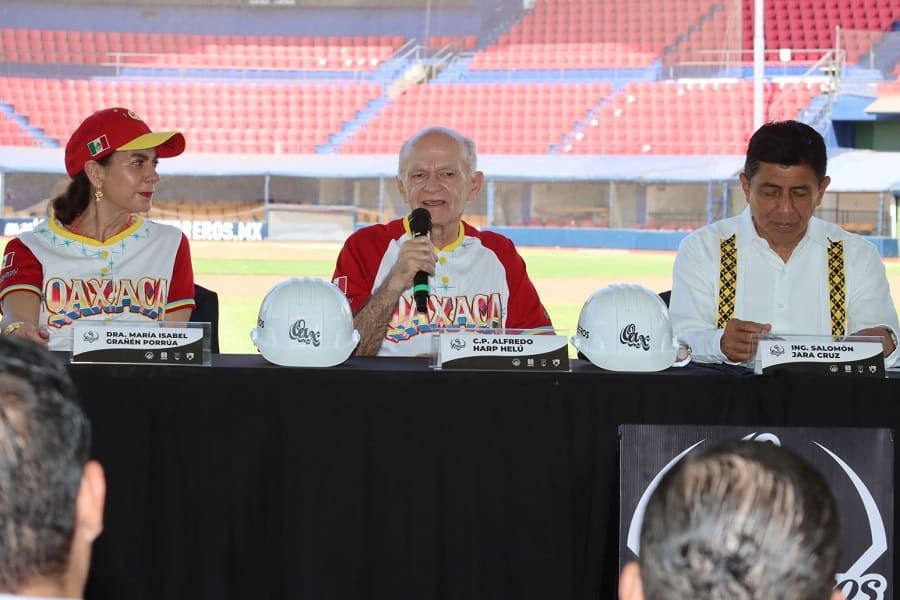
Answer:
[(45, 441), (744, 520), (788, 143)]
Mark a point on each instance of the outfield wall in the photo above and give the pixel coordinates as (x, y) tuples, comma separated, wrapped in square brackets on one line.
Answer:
[(667, 206), (195, 230)]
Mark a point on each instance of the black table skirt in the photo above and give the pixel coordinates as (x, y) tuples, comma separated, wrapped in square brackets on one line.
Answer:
[(384, 479)]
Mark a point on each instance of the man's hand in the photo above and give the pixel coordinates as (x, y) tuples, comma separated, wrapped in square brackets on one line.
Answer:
[(373, 319), (737, 343), (416, 255), (881, 332)]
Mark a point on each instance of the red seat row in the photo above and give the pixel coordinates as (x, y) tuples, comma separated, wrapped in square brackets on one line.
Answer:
[(812, 24), (651, 118), (166, 50), (11, 134), (566, 34), (243, 117), (518, 118)]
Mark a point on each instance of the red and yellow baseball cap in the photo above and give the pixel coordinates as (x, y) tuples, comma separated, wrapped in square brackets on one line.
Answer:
[(112, 129)]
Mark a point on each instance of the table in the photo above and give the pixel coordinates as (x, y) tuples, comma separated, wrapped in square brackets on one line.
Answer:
[(381, 478)]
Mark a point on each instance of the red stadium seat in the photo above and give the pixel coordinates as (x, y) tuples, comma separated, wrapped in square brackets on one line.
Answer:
[(353, 53), (58, 108)]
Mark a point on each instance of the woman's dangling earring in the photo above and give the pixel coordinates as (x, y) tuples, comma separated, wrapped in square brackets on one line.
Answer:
[(98, 195)]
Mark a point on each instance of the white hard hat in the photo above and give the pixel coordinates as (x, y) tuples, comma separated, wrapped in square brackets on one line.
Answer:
[(305, 322), (625, 327)]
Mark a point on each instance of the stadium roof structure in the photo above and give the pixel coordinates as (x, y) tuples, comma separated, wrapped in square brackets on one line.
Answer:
[(850, 170), (864, 171), (885, 105)]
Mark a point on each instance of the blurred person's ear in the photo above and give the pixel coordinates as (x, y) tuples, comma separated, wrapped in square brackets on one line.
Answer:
[(90, 501), (88, 525), (837, 595), (630, 587)]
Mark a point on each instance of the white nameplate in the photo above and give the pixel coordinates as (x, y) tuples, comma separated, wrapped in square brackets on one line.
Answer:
[(135, 344), (823, 355), (502, 351)]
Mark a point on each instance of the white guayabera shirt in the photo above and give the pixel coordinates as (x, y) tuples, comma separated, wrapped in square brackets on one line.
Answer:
[(792, 296)]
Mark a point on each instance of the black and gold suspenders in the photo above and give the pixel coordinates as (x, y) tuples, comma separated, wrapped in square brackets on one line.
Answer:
[(727, 280), (837, 286)]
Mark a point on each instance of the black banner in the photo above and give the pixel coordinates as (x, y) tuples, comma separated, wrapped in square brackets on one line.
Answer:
[(858, 464)]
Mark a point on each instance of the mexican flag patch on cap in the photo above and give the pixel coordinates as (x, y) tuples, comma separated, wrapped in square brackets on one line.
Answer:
[(98, 145)]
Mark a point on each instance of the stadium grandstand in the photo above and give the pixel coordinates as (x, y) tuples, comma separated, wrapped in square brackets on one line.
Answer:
[(605, 116)]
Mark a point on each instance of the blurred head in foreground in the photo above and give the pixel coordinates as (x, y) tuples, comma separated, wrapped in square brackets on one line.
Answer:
[(51, 494), (746, 520)]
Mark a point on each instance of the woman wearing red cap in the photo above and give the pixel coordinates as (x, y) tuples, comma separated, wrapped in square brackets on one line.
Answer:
[(96, 257)]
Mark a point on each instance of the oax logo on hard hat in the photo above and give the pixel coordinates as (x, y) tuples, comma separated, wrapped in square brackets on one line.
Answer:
[(854, 583), (303, 335), (629, 336)]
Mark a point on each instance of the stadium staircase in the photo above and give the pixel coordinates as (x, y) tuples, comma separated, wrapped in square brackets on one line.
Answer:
[(577, 132), (26, 135), (693, 33), (404, 73), (360, 121), (818, 114), (457, 70), (388, 72)]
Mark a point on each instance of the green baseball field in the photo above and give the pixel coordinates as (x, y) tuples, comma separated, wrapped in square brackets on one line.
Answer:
[(242, 273)]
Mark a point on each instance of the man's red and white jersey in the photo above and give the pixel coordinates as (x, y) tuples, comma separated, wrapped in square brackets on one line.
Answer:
[(479, 281), (141, 273)]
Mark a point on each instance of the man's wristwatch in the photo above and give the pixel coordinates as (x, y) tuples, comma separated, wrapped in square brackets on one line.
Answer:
[(12, 327), (893, 337)]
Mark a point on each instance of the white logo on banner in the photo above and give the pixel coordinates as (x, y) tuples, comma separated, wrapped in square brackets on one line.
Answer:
[(855, 583), (634, 530), (763, 437)]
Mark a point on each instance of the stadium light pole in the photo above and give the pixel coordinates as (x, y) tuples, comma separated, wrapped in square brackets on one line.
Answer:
[(759, 62), (427, 23), (892, 217)]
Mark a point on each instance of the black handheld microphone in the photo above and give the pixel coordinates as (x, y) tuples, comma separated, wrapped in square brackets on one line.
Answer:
[(420, 224)]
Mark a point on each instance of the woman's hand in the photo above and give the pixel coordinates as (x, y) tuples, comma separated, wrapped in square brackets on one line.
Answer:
[(29, 331)]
